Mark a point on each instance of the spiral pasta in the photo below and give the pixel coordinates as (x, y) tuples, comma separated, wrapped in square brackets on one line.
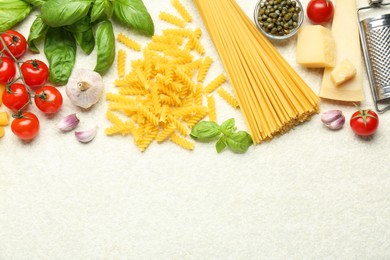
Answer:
[(228, 97), (214, 84), (122, 38), (183, 12), (170, 18)]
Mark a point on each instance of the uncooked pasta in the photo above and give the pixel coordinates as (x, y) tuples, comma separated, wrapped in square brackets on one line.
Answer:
[(272, 96)]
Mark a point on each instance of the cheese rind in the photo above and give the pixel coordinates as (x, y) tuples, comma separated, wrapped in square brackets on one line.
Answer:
[(343, 72), (315, 47), (345, 31)]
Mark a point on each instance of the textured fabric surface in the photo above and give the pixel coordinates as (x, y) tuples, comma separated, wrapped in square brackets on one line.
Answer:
[(309, 194)]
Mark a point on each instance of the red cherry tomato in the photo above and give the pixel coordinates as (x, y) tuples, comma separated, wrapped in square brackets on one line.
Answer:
[(7, 70), (16, 43), (35, 73), (320, 11), (16, 97), (26, 127), (364, 122), (48, 99)]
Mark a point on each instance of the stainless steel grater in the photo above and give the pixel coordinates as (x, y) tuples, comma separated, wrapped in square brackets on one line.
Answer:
[(375, 41)]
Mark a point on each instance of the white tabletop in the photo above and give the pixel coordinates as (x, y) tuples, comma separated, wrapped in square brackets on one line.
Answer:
[(311, 193)]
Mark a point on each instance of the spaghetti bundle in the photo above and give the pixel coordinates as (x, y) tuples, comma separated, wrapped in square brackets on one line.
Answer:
[(271, 95)]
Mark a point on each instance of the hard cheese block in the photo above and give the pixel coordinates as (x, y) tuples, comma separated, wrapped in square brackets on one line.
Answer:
[(315, 47), (346, 35), (343, 72)]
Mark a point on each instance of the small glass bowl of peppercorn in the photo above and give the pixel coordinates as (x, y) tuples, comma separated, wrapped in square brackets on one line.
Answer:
[(278, 19)]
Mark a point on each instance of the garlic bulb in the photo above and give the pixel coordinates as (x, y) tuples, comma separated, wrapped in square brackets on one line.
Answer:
[(84, 88)]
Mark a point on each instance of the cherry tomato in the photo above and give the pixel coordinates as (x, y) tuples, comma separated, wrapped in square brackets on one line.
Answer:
[(16, 97), (35, 73), (7, 70), (364, 122), (16, 43), (26, 127), (48, 99), (320, 11)]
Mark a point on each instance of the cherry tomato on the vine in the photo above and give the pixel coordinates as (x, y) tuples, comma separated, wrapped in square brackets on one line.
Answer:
[(364, 122), (320, 11), (35, 73), (26, 127), (7, 70), (16, 97), (48, 99), (15, 42)]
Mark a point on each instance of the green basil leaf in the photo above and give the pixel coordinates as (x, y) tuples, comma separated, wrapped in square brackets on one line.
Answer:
[(102, 10), (82, 25), (134, 14), (12, 12), (35, 2), (239, 142), (205, 131), (221, 144), (228, 127), (85, 40), (57, 13), (37, 31), (105, 41), (60, 51)]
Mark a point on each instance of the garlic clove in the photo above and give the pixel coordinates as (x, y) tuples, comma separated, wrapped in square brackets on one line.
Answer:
[(330, 116), (68, 123), (86, 136), (84, 88), (337, 123)]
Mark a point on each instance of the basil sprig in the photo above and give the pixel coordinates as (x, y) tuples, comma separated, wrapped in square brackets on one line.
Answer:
[(237, 142)]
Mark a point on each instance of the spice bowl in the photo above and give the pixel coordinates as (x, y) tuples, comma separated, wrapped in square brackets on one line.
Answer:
[(278, 19)]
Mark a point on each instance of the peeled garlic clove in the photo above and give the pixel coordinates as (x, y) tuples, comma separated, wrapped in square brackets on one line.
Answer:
[(68, 123), (84, 88), (86, 136), (337, 123), (330, 116)]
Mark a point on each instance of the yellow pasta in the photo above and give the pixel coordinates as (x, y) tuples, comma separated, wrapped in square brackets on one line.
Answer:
[(211, 107), (228, 97), (215, 83), (170, 18), (128, 42), (161, 97), (4, 118), (183, 12), (204, 68), (181, 141), (121, 63), (272, 96)]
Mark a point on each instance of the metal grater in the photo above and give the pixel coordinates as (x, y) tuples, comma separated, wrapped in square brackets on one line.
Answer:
[(375, 41)]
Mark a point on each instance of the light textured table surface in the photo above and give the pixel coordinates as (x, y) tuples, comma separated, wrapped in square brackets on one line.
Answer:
[(309, 194)]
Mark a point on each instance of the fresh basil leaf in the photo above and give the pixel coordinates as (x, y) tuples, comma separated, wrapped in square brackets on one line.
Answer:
[(35, 2), (221, 144), (85, 40), (205, 131), (37, 31), (60, 51), (134, 14), (239, 142), (228, 127), (102, 10), (12, 12), (57, 13), (105, 41), (82, 25)]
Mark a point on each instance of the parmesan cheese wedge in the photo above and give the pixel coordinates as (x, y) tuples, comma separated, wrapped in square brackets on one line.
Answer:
[(343, 72), (346, 35)]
